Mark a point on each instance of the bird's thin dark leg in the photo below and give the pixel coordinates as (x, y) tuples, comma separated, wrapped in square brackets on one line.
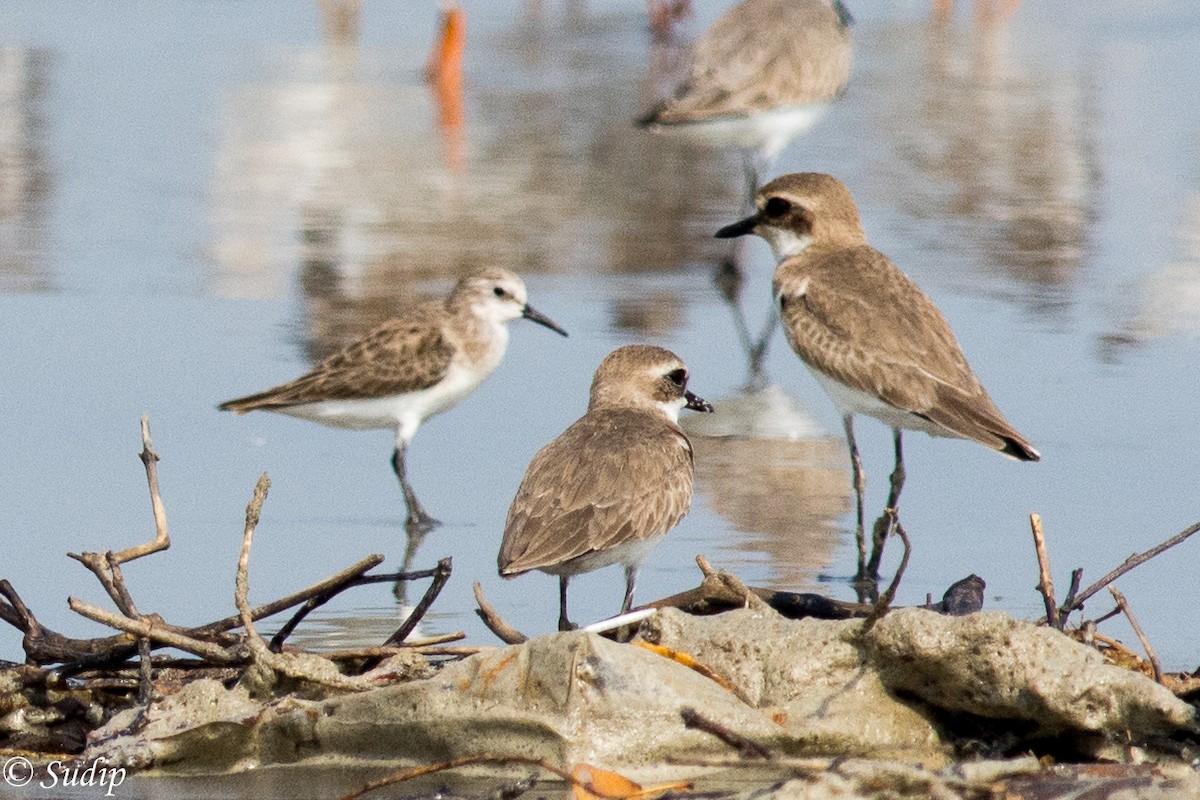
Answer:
[(897, 474), (630, 583), (859, 482), (891, 513), (564, 624), (418, 520)]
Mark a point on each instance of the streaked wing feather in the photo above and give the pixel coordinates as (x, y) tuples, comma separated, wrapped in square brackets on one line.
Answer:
[(401, 355)]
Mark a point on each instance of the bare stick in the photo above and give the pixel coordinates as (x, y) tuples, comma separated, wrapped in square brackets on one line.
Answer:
[(440, 576), (430, 769), (885, 600), (260, 653), (21, 617), (339, 579), (1045, 581), (317, 601), (153, 629), (745, 747), (162, 539), (1072, 590), (1137, 559), (494, 622), (242, 581), (366, 653), (1137, 629), (445, 638), (310, 605)]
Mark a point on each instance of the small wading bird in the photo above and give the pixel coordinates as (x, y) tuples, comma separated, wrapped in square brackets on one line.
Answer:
[(873, 340), (613, 483), (409, 368)]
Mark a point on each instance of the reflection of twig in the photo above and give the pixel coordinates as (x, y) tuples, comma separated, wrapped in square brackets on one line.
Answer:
[(1137, 629), (745, 747), (441, 574), (494, 622), (1134, 560), (1045, 580)]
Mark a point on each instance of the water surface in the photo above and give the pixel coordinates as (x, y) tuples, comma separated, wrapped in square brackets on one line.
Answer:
[(197, 200)]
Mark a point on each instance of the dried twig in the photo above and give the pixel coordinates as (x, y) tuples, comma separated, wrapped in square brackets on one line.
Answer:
[(1137, 559), (162, 540), (494, 622), (106, 566), (331, 585), (259, 651), (154, 629), (1155, 664), (745, 747), (376, 653), (885, 600), (313, 602), (1072, 591), (440, 576), (430, 769), (1045, 580)]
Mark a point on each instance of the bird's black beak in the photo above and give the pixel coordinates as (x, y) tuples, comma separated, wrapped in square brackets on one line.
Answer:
[(530, 313), (697, 403), (739, 228)]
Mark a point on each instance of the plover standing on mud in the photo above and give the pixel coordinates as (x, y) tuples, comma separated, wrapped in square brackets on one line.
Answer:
[(409, 368), (875, 342), (613, 483)]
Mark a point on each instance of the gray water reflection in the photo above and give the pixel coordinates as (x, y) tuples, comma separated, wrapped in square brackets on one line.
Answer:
[(996, 143), (24, 173), (280, 190)]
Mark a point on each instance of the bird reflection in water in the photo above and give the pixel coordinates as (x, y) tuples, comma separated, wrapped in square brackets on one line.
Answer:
[(764, 73)]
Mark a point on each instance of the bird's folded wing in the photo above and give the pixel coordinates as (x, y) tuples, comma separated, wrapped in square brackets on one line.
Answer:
[(595, 486)]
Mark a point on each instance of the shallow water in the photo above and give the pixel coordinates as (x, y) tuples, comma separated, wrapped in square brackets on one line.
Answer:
[(197, 200)]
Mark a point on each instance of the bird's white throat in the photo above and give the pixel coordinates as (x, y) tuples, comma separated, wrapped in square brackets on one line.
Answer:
[(785, 243)]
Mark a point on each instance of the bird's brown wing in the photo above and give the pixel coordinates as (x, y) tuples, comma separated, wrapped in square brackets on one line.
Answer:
[(852, 315), (401, 355), (611, 477)]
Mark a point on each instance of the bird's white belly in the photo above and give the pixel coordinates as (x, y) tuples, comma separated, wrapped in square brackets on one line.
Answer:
[(401, 411), (628, 553), (853, 401)]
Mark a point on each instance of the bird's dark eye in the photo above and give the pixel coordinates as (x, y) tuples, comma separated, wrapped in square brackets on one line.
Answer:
[(678, 376), (777, 207), (499, 292)]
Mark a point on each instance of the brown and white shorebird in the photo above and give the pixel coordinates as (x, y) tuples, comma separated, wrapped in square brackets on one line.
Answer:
[(875, 342), (409, 368), (608, 489), (761, 75)]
